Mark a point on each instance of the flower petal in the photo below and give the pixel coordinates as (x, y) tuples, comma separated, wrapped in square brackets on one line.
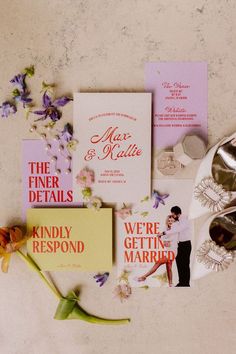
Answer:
[(14, 246), (25, 99), (62, 101), (67, 132), (55, 115), (5, 234), (101, 278), (15, 234), (2, 251), (46, 100), (5, 262), (40, 113), (7, 109), (19, 81)]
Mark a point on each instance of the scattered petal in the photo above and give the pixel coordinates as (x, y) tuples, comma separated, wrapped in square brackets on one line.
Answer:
[(124, 212), (62, 101), (101, 278), (123, 291), (5, 262), (94, 203), (55, 115), (7, 108), (19, 81), (40, 113), (46, 100), (23, 97), (159, 199), (85, 178), (124, 277), (67, 132)]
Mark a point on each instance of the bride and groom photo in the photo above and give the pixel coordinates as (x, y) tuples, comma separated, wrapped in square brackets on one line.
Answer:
[(176, 238)]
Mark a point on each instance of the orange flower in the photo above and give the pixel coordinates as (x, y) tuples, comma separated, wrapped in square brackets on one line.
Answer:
[(11, 239)]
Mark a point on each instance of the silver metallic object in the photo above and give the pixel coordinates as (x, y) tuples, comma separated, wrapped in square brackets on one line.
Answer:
[(213, 256), (224, 166), (212, 195)]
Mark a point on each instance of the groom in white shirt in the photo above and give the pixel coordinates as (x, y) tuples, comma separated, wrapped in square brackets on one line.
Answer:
[(182, 227)]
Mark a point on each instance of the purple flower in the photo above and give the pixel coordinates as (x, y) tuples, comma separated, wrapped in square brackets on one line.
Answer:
[(7, 109), (20, 93), (22, 97), (101, 278), (51, 108), (19, 81), (159, 199), (67, 132)]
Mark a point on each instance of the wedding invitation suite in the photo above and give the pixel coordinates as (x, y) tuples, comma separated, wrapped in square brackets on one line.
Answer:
[(114, 134), (179, 100), (139, 244), (71, 239), (41, 186)]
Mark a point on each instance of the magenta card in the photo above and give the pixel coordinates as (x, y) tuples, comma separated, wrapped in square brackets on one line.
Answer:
[(41, 185), (179, 100)]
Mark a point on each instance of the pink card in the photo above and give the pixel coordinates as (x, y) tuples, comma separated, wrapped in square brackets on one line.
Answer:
[(114, 134), (41, 186), (179, 100)]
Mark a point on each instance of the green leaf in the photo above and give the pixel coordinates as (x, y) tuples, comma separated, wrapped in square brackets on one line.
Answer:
[(145, 199), (145, 287), (47, 87), (86, 192), (15, 92), (29, 71), (66, 306)]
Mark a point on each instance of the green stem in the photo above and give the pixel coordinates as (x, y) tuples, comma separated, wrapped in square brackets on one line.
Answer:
[(68, 307), (30, 262), (79, 313)]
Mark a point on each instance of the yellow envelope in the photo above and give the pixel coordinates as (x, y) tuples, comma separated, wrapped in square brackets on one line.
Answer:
[(77, 239)]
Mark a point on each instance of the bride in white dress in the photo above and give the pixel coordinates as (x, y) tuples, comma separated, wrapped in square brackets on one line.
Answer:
[(170, 244)]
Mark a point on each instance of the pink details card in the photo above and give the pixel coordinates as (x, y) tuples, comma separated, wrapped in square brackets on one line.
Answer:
[(41, 186)]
